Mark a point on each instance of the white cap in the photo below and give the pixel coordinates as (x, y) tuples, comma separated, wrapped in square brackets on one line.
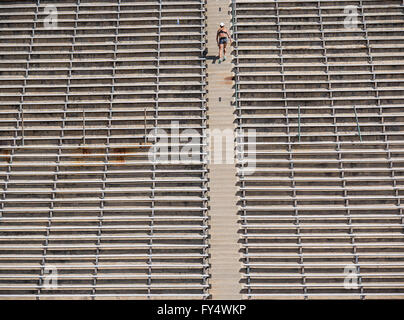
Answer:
[(222, 24)]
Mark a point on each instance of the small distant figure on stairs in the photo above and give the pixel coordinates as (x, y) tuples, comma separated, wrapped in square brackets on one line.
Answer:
[(222, 37)]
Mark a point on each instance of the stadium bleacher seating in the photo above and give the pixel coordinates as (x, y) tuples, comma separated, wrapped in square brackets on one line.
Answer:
[(81, 106), (326, 100)]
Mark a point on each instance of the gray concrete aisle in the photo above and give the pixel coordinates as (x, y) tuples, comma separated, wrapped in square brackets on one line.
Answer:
[(225, 257)]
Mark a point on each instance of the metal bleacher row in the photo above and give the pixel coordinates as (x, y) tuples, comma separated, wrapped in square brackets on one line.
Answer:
[(78, 192), (326, 102)]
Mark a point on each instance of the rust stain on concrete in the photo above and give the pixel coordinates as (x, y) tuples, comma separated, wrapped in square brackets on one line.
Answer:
[(122, 153), (228, 80), (6, 153)]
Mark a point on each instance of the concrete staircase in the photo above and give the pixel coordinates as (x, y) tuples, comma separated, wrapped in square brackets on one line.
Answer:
[(324, 201), (79, 195), (224, 239)]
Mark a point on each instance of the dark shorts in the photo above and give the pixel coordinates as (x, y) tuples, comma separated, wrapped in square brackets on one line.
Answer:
[(223, 40)]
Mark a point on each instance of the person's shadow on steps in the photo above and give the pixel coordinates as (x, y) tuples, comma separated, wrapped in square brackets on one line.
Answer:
[(213, 58)]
